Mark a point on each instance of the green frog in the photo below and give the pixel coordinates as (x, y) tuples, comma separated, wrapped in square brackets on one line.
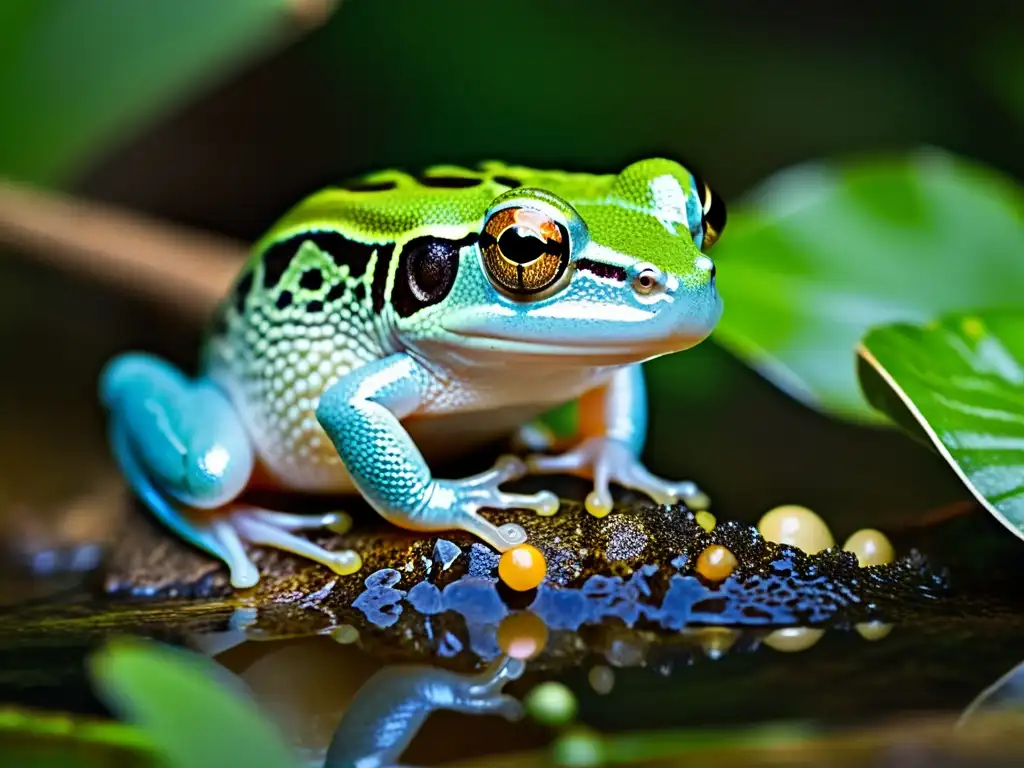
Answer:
[(398, 319)]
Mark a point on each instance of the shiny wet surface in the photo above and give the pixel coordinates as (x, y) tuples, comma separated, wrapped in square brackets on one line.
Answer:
[(318, 671)]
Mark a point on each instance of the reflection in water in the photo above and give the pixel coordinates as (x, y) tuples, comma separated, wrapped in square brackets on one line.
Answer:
[(306, 685), (793, 639), (309, 686), (654, 595), (390, 708)]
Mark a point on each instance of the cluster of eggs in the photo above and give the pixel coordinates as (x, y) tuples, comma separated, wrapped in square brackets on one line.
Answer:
[(801, 528), (523, 568), (798, 527)]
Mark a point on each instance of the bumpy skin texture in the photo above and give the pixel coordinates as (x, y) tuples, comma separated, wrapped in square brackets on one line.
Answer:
[(401, 319)]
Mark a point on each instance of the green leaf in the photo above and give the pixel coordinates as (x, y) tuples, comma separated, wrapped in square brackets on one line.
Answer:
[(821, 253), (76, 77), (194, 711), (961, 381)]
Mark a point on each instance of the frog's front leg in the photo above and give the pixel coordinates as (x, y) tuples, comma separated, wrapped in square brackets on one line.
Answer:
[(612, 428), (185, 452), (361, 413)]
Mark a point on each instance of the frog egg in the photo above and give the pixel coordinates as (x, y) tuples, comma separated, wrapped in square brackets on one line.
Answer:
[(522, 568), (797, 526), (551, 703), (873, 630), (601, 679), (793, 639), (522, 635), (871, 547), (706, 520), (716, 563)]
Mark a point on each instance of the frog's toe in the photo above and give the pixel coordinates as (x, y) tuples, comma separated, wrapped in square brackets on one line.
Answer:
[(456, 504), (638, 478), (273, 529), (229, 548), (605, 461), (507, 467), (338, 522)]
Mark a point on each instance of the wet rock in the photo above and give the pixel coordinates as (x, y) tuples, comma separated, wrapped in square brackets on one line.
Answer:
[(636, 565)]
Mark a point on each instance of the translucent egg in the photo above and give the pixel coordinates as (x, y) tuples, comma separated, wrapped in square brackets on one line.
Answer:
[(797, 526), (871, 547)]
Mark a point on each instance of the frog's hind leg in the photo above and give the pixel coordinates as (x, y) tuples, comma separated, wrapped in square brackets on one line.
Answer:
[(186, 453)]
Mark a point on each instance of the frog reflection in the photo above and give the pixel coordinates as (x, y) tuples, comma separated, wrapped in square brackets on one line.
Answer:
[(390, 708)]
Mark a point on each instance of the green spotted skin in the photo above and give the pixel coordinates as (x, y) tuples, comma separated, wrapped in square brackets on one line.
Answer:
[(325, 293)]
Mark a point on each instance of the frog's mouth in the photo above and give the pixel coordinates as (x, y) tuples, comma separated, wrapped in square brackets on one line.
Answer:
[(574, 332), (485, 347)]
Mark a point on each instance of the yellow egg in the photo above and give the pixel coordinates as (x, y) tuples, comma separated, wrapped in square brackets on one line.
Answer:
[(871, 547), (706, 520), (522, 635), (522, 568), (716, 563), (793, 639), (873, 630), (797, 526)]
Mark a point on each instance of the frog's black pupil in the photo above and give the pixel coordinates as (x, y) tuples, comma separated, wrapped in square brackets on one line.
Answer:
[(521, 245), (715, 217)]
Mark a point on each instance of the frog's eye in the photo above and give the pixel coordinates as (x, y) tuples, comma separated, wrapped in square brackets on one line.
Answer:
[(524, 250), (712, 220)]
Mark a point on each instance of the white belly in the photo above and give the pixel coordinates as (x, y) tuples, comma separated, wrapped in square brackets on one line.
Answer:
[(456, 416)]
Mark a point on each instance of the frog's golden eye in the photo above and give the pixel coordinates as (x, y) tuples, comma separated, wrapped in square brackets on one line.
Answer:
[(712, 220), (524, 250)]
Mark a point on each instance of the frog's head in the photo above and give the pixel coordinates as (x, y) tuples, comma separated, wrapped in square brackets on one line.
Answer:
[(602, 270)]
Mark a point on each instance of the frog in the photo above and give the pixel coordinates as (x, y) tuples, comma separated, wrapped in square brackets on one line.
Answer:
[(394, 321)]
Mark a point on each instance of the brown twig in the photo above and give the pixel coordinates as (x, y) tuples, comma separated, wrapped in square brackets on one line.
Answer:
[(186, 270)]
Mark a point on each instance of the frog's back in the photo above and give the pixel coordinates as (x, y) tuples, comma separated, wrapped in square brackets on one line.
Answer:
[(314, 301)]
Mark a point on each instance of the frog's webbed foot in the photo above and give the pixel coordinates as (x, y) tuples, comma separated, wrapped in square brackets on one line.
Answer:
[(606, 460), (456, 504), (483, 693), (264, 527)]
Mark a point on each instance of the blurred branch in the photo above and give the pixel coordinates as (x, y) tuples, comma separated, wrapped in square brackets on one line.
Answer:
[(186, 270), (77, 79)]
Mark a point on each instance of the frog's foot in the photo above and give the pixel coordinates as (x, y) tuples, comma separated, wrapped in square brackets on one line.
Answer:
[(606, 460), (266, 528), (457, 504)]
